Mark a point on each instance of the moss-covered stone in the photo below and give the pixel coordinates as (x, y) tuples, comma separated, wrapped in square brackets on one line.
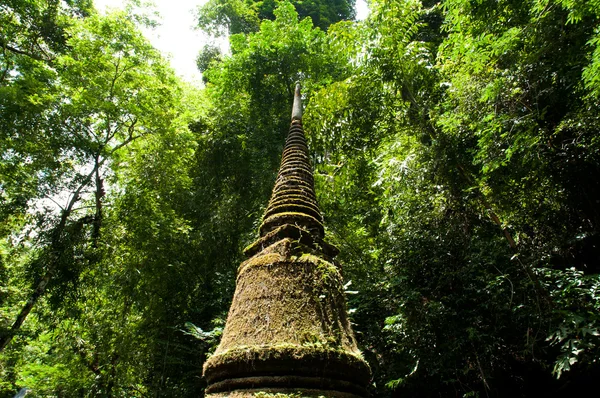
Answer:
[(295, 233), (282, 393), (285, 293), (288, 323), (302, 220), (293, 207), (295, 199)]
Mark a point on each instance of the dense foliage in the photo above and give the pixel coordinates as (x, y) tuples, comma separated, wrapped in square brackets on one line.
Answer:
[(456, 152), (245, 16)]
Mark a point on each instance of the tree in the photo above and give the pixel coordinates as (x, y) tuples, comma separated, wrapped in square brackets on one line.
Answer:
[(36, 30), (467, 186), (110, 90), (244, 16), (208, 54)]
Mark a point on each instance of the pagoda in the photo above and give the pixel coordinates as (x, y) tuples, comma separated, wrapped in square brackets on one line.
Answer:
[(288, 330)]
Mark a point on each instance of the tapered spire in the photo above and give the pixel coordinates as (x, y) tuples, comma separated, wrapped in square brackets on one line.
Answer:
[(293, 200), (288, 329)]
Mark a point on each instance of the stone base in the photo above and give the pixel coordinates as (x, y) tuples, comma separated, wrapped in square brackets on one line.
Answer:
[(282, 393)]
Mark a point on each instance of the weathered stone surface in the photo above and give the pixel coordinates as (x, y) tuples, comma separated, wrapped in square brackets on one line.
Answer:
[(283, 393)]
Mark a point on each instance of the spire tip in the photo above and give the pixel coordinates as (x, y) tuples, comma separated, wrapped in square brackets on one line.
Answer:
[(297, 108)]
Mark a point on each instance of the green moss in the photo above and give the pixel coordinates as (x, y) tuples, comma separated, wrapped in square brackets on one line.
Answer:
[(251, 354), (300, 237), (263, 260), (289, 293), (280, 395), (306, 221), (288, 319), (323, 368), (293, 206)]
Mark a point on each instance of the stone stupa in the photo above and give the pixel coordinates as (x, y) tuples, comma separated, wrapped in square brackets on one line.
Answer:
[(288, 331)]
